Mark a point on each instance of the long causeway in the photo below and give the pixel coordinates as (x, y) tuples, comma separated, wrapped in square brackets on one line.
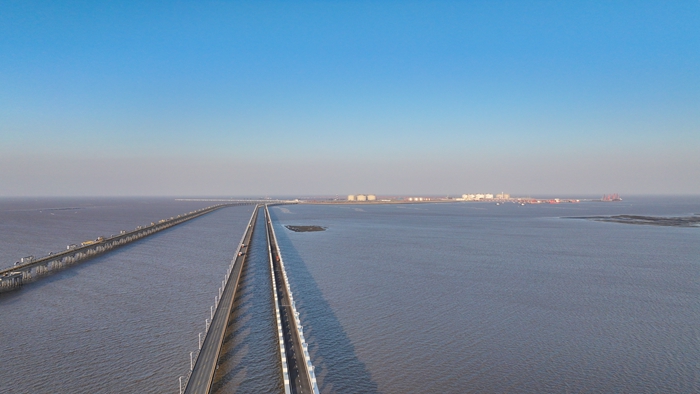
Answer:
[(201, 376), (298, 372), (295, 363), (30, 269)]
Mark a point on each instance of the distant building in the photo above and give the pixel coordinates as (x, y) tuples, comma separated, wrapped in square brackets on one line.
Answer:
[(351, 197), (482, 196), (503, 196), (371, 197), (361, 197)]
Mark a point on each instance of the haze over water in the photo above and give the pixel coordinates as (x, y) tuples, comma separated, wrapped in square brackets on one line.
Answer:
[(467, 297)]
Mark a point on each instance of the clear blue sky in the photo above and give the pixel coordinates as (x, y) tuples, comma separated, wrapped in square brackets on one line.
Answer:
[(337, 97)]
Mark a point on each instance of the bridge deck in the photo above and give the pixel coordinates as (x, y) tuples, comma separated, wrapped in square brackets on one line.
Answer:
[(300, 371), (202, 376)]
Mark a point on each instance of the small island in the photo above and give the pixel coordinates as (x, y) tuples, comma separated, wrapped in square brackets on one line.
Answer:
[(688, 221), (305, 229)]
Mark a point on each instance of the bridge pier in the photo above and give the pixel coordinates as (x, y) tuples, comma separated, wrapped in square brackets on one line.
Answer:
[(11, 280)]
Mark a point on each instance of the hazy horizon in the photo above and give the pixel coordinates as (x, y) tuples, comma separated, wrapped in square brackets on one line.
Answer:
[(309, 98), (343, 197)]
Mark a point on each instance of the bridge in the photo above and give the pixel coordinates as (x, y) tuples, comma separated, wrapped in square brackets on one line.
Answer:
[(300, 377), (29, 268), (296, 368), (204, 361)]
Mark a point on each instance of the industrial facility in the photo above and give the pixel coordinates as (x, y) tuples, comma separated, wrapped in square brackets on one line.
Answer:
[(484, 196), (362, 197)]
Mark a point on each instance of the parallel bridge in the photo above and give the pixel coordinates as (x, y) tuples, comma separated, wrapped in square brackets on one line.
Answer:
[(295, 363), (30, 269), (300, 377)]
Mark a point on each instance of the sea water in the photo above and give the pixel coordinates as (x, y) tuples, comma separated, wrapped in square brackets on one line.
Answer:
[(458, 298), (480, 298)]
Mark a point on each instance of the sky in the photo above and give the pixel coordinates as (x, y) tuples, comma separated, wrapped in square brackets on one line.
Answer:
[(249, 98)]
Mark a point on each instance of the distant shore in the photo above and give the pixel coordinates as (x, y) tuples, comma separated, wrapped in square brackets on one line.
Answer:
[(686, 221)]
